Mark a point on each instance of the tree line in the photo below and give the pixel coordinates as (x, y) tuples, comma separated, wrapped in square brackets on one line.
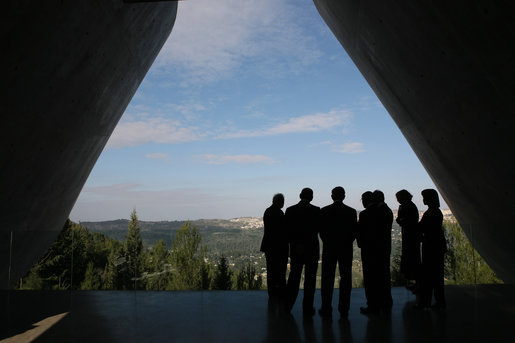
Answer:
[(462, 265), (83, 260)]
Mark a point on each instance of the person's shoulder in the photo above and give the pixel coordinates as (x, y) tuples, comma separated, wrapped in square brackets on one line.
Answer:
[(411, 205), (276, 211), (327, 208), (435, 211), (349, 209), (292, 208)]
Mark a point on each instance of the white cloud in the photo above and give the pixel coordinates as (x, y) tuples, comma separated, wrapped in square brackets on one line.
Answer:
[(186, 108), (211, 39), (152, 130), (308, 123), (314, 145), (223, 159), (349, 148), (366, 103), (158, 156)]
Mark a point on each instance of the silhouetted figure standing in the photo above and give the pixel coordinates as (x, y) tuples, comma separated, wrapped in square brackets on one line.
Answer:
[(384, 222), (374, 239), (337, 231), (407, 218), (433, 251), (303, 220), (275, 247), (366, 236)]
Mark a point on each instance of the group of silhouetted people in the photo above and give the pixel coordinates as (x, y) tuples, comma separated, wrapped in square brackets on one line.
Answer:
[(295, 233)]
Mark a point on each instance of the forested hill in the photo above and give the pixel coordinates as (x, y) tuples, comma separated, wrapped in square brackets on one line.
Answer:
[(219, 235), (239, 236)]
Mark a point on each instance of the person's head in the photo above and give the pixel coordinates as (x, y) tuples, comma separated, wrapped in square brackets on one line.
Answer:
[(367, 199), (278, 200), (338, 193), (306, 194), (403, 196), (378, 196), (430, 198)]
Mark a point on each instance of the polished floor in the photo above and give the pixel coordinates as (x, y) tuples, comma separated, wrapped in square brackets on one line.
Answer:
[(474, 314)]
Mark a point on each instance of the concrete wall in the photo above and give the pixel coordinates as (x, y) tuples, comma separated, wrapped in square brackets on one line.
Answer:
[(445, 72), (71, 68)]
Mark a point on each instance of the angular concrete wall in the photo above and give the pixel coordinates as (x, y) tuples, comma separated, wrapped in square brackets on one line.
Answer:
[(445, 72), (72, 68)]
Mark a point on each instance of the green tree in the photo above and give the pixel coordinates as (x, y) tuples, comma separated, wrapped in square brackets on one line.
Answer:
[(397, 278), (463, 264), (133, 252), (91, 278), (248, 279), (114, 271), (158, 266), (206, 270), (223, 275), (63, 266), (65, 263), (188, 260)]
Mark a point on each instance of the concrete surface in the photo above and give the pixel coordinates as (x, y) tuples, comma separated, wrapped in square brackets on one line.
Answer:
[(474, 314), (445, 72), (71, 68)]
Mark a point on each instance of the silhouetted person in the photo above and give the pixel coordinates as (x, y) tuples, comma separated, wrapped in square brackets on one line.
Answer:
[(337, 231), (366, 241), (384, 222), (433, 251), (275, 247), (374, 239), (407, 218), (303, 220)]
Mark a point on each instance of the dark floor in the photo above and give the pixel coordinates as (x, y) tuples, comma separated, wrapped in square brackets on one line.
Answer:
[(474, 314)]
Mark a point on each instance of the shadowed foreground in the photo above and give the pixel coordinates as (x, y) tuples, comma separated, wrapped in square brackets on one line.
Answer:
[(474, 314)]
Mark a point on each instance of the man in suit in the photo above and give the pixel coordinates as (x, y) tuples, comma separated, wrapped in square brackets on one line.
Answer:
[(384, 222), (303, 220), (275, 247), (366, 236), (337, 231), (374, 239)]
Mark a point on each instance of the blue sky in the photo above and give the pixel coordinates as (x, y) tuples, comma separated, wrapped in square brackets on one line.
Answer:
[(247, 99)]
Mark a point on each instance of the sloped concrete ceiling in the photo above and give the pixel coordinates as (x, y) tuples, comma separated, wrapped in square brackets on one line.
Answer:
[(71, 69), (445, 72)]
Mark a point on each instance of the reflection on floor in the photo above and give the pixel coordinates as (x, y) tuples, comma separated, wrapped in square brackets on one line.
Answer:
[(473, 314)]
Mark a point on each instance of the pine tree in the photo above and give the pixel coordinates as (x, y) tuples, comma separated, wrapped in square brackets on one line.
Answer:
[(205, 272), (91, 278), (158, 266), (397, 278), (248, 279), (133, 252), (111, 273), (223, 275), (463, 264), (190, 270)]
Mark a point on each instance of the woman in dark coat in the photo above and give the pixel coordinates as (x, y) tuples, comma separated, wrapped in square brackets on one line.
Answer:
[(407, 218), (433, 251)]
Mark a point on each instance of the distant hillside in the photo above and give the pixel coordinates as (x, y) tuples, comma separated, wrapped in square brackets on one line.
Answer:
[(234, 236), (237, 237)]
